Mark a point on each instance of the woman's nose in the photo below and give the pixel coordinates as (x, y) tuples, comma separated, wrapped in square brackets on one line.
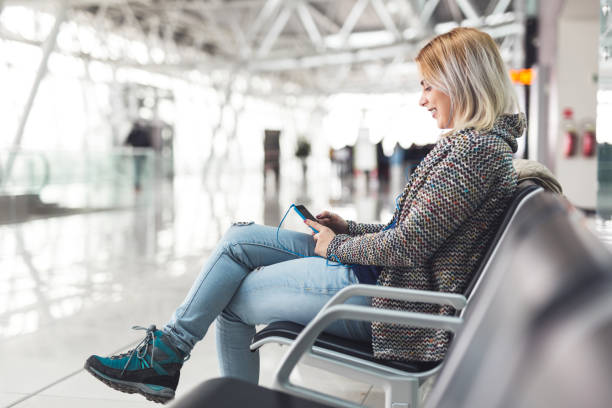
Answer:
[(422, 100)]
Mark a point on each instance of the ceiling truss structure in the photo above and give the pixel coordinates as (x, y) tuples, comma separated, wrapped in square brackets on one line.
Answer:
[(301, 47), (323, 46)]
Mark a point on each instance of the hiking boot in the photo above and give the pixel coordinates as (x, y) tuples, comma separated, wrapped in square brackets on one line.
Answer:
[(152, 368)]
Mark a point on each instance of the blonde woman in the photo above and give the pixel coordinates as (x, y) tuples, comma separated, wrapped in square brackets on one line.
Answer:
[(445, 217)]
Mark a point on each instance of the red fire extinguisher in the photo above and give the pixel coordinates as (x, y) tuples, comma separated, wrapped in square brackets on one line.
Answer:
[(570, 136), (589, 141)]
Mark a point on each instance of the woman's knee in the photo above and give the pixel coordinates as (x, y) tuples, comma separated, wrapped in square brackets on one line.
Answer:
[(226, 316), (237, 232)]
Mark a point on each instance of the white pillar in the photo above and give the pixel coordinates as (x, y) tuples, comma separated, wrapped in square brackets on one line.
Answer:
[(577, 67), (47, 48)]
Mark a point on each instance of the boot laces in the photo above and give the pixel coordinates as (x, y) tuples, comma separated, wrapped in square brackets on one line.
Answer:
[(140, 351)]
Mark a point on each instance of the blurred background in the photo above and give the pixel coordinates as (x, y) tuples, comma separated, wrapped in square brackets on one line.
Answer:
[(134, 132)]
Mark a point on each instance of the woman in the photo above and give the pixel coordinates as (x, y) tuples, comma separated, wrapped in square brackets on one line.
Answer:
[(445, 217)]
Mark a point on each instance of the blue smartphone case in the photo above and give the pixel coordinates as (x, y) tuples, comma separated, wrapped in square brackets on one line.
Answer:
[(304, 218)]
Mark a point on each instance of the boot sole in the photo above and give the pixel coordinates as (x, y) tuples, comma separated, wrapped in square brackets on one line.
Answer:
[(151, 392)]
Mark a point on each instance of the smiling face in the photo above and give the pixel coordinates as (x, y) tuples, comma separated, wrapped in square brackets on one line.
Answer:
[(437, 103)]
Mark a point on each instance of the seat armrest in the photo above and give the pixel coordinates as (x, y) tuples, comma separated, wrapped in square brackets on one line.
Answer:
[(455, 300), (412, 295), (307, 337)]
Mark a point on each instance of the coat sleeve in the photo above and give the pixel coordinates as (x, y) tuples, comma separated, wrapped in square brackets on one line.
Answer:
[(355, 228), (453, 191)]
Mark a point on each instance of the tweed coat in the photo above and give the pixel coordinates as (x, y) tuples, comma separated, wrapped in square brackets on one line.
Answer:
[(447, 215)]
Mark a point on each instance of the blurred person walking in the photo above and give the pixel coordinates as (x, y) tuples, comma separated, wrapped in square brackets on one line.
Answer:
[(139, 138)]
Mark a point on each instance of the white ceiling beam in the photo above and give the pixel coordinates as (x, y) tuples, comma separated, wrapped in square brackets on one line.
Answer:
[(400, 49), (131, 16), (275, 30), (68, 3), (504, 30), (168, 39), (385, 18), (331, 58), (507, 47), (428, 10), (99, 25), (245, 47), (212, 32), (154, 25), (263, 17), (468, 9), (233, 35), (204, 28), (100, 15), (501, 6), (412, 19), (323, 20), (310, 26), (352, 19)]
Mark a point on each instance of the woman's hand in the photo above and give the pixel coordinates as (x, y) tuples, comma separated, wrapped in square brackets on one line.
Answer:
[(322, 238), (333, 221)]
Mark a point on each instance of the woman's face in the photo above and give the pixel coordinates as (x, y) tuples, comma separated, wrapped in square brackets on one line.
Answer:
[(437, 103)]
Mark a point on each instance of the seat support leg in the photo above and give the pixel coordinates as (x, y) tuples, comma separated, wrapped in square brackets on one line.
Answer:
[(402, 393)]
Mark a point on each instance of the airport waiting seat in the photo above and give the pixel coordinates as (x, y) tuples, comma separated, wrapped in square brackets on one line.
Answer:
[(538, 331), (399, 379)]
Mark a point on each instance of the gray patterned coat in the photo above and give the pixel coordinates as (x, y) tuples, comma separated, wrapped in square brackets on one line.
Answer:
[(447, 214)]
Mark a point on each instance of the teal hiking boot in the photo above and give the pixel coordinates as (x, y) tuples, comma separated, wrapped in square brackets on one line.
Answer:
[(152, 368)]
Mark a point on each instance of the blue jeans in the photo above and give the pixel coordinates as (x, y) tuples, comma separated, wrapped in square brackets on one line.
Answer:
[(250, 279)]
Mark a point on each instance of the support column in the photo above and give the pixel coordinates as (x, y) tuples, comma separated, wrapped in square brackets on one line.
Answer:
[(577, 66), (47, 48), (544, 92)]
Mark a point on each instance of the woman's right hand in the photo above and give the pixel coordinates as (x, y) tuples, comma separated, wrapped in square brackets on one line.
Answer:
[(333, 221)]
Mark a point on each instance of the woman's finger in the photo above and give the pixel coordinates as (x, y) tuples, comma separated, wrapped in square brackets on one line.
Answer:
[(314, 224), (323, 214)]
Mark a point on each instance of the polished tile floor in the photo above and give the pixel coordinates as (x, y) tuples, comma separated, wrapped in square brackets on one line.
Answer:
[(73, 286)]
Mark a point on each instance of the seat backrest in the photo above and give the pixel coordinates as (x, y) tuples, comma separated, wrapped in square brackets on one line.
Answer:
[(526, 190), (547, 292)]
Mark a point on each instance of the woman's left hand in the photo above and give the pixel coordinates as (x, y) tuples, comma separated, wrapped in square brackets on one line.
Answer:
[(322, 238)]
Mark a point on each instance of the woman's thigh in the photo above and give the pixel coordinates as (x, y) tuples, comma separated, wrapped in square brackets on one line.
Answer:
[(296, 290), (260, 245)]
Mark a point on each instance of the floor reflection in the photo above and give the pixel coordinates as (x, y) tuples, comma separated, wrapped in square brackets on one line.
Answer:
[(54, 268)]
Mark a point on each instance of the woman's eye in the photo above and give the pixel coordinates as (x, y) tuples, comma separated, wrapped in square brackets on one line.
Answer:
[(428, 88)]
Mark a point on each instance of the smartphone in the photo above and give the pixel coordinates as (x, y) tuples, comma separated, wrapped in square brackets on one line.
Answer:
[(305, 214)]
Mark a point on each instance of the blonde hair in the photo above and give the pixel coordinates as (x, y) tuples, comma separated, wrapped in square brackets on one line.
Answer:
[(465, 64)]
